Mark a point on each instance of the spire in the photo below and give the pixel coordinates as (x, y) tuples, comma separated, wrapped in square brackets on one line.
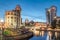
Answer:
[(18, 7)]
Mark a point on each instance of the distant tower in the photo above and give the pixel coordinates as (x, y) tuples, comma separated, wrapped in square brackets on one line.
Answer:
[(53, 12), (50, 14), (13, 18), (26, 21)]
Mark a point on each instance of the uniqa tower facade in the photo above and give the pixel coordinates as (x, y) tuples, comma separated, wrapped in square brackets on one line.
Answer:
[(51, 14), (13, 18)]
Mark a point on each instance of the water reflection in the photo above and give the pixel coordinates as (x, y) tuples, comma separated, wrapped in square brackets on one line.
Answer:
[(39, 37), (47, 36)]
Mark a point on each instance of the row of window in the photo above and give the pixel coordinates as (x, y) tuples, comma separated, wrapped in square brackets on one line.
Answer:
[(13, 14), (12, 22), (12, 17)]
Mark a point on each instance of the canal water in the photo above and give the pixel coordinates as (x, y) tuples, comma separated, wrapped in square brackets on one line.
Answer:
[(39, 37)]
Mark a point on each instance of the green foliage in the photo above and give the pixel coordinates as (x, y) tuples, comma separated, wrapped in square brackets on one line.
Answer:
[(7, 32)]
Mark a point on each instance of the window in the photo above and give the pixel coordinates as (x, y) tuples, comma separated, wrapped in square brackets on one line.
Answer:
[(8, 17), (14, 13), (8, 13), (11, 23), (18, 14), (11, 20), (14, 20), (8, 20), (15, 17), (11, 17)]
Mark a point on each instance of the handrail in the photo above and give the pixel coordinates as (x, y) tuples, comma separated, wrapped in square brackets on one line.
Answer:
[(55, 30)]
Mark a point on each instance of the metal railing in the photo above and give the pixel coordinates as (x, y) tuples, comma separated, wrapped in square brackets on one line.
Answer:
[(54, 34)]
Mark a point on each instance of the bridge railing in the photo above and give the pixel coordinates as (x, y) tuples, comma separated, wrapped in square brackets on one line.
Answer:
[(54, 34)]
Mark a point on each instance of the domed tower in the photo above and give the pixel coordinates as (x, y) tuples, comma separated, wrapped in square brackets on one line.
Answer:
[(13, 18), (18, 11), (18, 8)]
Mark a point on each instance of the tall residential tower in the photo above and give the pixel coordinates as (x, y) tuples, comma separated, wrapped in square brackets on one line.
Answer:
[(50, 14)]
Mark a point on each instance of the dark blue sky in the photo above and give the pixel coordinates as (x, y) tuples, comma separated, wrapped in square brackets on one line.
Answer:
[(31, 9)]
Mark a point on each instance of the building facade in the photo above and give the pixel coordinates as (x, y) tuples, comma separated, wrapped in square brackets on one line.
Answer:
[(13, 18), (58, 19), (50, 14), (39, 24), (1, 24)]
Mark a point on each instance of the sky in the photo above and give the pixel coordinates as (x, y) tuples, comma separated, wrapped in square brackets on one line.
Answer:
[(31, 9)]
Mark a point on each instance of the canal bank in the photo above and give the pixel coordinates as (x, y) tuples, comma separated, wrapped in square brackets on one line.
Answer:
[(15, 34), (26, 36)]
